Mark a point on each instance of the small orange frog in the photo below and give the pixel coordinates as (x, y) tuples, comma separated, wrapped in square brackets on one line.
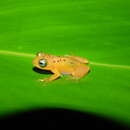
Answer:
[(61, 65)]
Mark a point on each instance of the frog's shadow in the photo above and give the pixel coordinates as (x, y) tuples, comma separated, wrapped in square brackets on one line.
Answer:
[(41, 71)]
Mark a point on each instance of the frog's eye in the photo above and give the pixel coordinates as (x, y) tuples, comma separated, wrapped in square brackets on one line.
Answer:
[(42, 62)]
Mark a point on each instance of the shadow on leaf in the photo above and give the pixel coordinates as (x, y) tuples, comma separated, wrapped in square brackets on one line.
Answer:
[(63, 118), (42, 71)]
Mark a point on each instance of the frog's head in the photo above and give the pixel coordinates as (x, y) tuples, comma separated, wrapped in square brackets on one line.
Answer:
[(40, 60)]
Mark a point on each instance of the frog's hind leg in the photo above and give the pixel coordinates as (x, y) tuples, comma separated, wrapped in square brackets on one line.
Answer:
[(80, 59), (80, 72)]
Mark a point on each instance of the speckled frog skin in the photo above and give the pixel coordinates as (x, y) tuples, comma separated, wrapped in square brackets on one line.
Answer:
[(59, 65)]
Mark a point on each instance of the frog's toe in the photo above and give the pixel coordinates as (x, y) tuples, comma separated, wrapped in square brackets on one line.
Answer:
[(44, 80), (73, 78), (41, 80)]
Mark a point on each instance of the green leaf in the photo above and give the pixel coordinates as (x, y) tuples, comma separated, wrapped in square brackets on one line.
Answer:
[(98, 30)]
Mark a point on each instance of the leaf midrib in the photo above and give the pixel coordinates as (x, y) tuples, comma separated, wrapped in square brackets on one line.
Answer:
[(6, 52)]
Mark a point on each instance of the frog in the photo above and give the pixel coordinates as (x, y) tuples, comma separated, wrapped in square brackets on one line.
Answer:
[(75, 66)]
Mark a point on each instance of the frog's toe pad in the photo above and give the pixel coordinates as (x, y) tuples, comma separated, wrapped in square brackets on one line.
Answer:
[(44, 80), (41, 80)]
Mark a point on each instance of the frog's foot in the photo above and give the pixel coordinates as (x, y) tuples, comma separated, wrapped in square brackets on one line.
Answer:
[(53, 77), (77, 79), (44, 80), (40, 80)]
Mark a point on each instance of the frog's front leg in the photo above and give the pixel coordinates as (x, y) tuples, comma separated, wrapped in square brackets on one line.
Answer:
[(53, 77)]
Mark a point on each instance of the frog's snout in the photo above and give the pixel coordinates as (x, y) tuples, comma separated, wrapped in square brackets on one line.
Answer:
[(34, 62)]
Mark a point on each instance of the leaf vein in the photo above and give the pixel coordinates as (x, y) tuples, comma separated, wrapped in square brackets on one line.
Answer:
[(5, 52)]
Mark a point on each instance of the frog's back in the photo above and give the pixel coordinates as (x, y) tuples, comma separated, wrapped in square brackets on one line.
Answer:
[(64, 61)]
